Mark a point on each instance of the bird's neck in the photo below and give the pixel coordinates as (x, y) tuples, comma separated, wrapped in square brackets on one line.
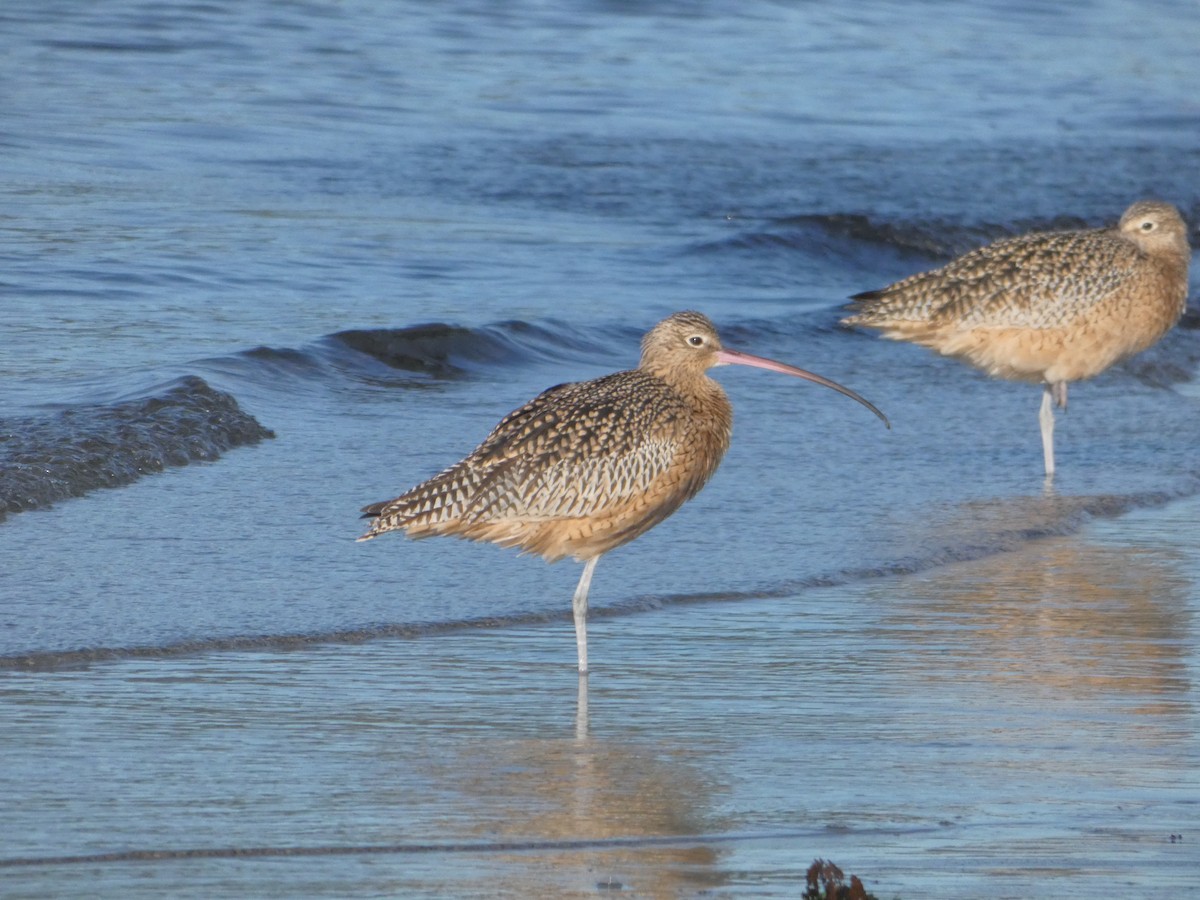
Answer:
[(703, 394), (1173, 264), (1174, 255), (1181, 258), (684, 380)]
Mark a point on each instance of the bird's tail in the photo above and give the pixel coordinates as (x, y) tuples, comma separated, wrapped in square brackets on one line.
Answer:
[(374, 511), (388, 515), (436, 506)]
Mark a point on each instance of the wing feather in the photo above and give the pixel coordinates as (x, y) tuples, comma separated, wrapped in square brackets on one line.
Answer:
[(577, 449)]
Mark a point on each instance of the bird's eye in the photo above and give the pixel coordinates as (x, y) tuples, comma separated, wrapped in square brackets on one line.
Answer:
[(696, 340), (1147, 226)]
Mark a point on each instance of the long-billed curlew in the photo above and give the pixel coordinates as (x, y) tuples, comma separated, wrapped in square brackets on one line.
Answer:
[(1050, 307), (588, 466)]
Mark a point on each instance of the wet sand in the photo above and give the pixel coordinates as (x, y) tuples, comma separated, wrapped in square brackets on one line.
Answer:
[(1020, 724)]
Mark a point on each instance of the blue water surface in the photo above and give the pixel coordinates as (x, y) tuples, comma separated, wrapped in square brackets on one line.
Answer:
[(225, 190)]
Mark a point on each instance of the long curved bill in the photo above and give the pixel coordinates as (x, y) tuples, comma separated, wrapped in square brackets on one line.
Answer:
[(737, 358)]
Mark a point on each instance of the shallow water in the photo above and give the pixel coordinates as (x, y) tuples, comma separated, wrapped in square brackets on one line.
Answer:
[(1021, 723), (229, 224)]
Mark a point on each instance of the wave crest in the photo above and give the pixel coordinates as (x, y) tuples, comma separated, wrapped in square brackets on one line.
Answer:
[(80, 449)]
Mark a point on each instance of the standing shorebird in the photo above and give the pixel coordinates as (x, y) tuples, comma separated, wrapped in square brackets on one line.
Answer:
[(586, 467), (1050, 307)]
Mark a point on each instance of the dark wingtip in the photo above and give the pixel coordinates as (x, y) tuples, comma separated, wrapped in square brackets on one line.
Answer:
[(373, 511), (863, 296)]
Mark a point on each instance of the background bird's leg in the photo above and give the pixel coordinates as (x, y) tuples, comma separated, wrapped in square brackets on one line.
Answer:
[(1046, 417), (1059, 390), (580, 605)]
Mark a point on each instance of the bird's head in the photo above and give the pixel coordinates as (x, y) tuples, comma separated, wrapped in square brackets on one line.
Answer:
[(684, 343), (1156, 228), (682, 346)]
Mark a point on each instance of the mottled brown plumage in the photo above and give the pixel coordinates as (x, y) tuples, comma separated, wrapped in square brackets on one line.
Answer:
[(1051, 307), (586, 467)]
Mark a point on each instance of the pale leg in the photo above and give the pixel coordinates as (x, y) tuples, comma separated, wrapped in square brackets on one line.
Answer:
[(579, 605), (581, 708), (1046, 417)]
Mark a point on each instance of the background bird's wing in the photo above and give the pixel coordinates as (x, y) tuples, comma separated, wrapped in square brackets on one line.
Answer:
[(1033, 281), (1045, 281)]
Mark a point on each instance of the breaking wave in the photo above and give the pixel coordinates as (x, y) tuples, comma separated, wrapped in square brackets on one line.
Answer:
[(79, 449)]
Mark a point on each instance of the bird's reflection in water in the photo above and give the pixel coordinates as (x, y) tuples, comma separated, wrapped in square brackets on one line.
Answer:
[(1078, 618), (575, 791)]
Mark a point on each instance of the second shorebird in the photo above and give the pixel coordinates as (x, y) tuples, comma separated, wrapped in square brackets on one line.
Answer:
[(586, 467), (1050, 307)]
